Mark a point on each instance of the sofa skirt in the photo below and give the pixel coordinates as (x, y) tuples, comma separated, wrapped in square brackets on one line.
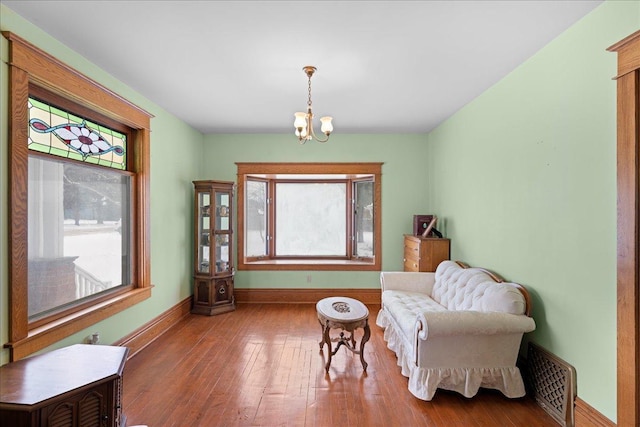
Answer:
[(423, 381)]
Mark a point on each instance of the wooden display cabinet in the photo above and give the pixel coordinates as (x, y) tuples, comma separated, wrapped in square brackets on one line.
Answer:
[(76, 386), (425, 253), (214, 271)]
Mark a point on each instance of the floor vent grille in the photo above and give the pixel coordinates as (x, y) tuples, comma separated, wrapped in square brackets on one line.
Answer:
[(552, 381)]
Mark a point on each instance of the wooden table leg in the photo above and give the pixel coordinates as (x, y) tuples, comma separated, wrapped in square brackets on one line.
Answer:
[(365, 338), (327, 339), (348, 341), (322, 326)]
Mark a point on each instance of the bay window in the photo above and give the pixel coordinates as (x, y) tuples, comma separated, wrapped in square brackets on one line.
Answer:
[(309, 216)]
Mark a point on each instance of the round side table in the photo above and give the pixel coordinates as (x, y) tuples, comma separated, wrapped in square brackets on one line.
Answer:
[(347, 314)]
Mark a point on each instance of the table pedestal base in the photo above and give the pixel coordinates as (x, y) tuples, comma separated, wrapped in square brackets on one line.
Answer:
[(348, 341)]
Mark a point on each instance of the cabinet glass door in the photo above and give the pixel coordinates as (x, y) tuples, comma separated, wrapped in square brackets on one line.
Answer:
[(222, 231), (204, 232)]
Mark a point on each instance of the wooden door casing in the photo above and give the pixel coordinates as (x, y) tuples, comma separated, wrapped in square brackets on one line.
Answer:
[(628, 240)]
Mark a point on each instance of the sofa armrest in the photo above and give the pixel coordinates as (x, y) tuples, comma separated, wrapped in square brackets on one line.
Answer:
[(407, 281), (450, 323)]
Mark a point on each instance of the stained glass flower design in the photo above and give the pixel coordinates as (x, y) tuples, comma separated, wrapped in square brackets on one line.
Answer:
[(78, 137)]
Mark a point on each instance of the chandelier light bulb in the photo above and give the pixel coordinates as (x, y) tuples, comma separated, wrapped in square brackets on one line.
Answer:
[(300, 121), (326, 126)]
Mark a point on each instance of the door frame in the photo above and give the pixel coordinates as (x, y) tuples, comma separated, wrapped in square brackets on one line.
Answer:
[(628, 225)]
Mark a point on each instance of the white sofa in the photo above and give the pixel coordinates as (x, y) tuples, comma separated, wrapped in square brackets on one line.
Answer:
[(457, 329)]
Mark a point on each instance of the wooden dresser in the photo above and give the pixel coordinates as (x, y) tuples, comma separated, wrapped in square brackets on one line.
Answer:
[(76, 386), (425, 253)]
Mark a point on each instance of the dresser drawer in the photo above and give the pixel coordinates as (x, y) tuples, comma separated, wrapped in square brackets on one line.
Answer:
[(411, 244), (411, 264), (411, 253), (424, 254)]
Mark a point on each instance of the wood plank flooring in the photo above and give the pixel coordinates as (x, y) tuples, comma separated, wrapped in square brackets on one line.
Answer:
[(261, 366)]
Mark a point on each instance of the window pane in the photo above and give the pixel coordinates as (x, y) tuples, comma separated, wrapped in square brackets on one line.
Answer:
[(78, 216), (363, 219), (256, 219), (57, 132), (311, 219)]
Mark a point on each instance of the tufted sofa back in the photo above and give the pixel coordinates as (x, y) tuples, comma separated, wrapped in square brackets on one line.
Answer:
[(459, 288)]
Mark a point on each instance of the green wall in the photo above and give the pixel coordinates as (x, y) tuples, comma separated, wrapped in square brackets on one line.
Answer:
[(525, 177), (522, 179), (403, 192), (176, 150)]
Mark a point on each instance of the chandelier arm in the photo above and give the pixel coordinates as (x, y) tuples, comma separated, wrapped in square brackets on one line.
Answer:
[(310, 132), (321, 141), (316, 137)]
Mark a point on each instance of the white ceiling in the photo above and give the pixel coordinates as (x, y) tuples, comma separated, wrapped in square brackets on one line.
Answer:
[(236, 66)]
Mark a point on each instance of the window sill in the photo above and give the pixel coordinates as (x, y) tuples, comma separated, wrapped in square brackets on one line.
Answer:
[(45, 335), (292, 264)]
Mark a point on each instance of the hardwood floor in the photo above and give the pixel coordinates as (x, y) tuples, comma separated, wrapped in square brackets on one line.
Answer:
[(261, 366)]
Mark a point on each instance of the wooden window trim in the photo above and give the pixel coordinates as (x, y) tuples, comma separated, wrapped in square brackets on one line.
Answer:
[(374, 169), (29, 65)]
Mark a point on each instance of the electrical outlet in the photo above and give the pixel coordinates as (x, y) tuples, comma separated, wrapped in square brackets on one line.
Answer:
[(309, 278), (93, 338)]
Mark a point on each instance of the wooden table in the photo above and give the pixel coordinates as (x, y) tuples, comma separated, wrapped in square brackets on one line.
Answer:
[(347, 314), (80, 385)]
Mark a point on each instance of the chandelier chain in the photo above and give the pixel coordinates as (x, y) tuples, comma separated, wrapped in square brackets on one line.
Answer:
[(309, 101)]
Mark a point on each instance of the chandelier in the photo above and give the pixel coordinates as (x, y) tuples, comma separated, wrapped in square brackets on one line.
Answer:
[(304, 121)]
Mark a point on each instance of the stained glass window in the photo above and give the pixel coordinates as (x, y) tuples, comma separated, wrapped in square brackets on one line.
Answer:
[(76, 193), (79, 215), (60, 133)]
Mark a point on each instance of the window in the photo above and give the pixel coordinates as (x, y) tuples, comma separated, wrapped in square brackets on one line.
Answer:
[(79, 167), (79, 216), (309, 216)]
